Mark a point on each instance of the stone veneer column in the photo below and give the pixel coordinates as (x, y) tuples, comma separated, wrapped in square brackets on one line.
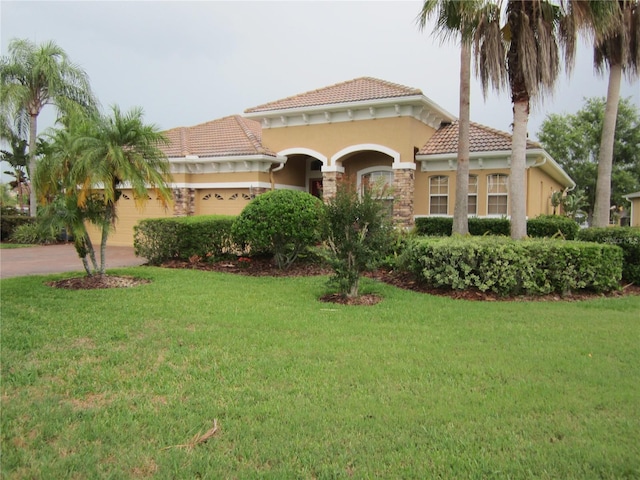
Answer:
[(184, 202), (330, 179), (403, 192)]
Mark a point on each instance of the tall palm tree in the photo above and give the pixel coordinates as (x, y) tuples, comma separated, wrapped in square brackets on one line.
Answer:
[(33, 76), (455, 18), (535, 31), (621, 53), (121, 151)]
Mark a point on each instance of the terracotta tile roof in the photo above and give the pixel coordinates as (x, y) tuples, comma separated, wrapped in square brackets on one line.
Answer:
[(357, 90), (482, 139), (228, 136)]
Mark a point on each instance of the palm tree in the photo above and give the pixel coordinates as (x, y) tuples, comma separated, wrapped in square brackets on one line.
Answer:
[(621, 53), (58, 192), (33, 76), (118, 151), (454, 18), (535, 31)]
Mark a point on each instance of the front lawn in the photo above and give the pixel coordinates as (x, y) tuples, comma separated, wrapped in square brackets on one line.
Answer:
[(117, 383)]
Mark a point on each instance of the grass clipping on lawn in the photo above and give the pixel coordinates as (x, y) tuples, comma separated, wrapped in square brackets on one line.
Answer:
[(198, 438)]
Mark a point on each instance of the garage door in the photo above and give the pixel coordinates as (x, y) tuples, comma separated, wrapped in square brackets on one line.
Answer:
[(221, 201), (128, 215)]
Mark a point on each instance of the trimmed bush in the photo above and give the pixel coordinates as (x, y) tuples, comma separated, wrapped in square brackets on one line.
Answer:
[(442, 226), (279, 222), (489, 226), (182, 238), (552, 226), (434, 226), (627, 238), (508, 267)]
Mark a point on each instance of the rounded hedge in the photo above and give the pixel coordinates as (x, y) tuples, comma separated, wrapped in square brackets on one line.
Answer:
[(279, 222)]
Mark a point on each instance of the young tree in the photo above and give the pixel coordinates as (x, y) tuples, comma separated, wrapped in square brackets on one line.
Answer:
[(33, 76), (357, 232), (619, 52)]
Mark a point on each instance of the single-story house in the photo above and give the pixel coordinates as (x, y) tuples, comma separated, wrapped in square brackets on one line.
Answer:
[(634, 215), (364, 129)]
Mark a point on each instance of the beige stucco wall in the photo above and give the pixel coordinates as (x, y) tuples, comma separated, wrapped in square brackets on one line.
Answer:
[(635, 212), (399, 134), (540, 188)]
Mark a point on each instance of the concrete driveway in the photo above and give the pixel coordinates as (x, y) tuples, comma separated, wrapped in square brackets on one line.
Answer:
[(43, 260)]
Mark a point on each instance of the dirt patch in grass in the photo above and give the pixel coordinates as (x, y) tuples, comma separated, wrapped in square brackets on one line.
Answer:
[(98, 282)]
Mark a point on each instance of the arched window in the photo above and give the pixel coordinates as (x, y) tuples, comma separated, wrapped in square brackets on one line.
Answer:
[(439, 195), (472, 201), (497, 194), (379, 178)]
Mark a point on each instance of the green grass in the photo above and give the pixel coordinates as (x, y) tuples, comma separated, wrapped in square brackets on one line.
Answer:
[(96, 384), (7, 246)]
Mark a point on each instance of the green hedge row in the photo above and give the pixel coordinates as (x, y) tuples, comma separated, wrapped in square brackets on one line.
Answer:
[(627, 238), (542, 226), (507, 267), (161, 239)]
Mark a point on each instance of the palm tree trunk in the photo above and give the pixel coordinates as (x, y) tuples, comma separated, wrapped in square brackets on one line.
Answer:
[(461, 208), (517, 179), (103, 249), (33, 132), (605, 156)]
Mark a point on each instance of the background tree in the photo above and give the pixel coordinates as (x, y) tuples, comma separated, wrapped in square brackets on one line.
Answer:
[(573, 140), (33, 76), (458, 19), (620, 52)]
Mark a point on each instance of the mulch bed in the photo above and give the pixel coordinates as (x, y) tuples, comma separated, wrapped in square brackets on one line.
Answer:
[(257, 267)]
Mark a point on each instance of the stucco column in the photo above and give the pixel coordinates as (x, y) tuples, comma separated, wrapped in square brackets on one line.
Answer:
[(184, 202), (330, 178), (403, 192)]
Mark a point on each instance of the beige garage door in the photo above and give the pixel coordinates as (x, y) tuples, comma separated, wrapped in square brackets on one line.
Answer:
[(221, 201), (128, 215)]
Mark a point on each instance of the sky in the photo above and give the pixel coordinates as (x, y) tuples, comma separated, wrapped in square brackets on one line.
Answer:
[(189, 62)]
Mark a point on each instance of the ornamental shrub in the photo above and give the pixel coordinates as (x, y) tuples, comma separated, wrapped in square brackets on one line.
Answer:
[(627, 238), (552, 226), (357, 233), (509, 267), (434, 226), (204, 236), (280, 222)]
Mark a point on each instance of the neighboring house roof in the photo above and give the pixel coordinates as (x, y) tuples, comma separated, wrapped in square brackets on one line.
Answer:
[(356, 90), (481, 139), (228, 136), (632, 195)]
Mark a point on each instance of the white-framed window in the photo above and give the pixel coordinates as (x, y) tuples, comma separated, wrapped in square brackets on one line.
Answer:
[(497, 194), (439, 195), (380, 177), (472, 201)]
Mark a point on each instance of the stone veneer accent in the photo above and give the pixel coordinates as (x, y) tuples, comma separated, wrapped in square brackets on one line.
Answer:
[(330, 184), (184, 202), (403, 190)]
